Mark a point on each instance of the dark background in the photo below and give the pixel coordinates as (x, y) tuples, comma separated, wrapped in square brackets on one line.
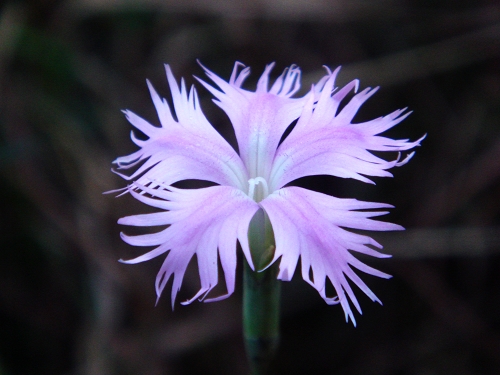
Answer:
[(68, 68)]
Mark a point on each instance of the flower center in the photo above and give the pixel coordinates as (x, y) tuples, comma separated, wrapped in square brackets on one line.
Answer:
[(258, 194)]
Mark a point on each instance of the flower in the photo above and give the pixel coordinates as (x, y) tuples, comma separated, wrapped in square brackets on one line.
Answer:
[(209, 222)]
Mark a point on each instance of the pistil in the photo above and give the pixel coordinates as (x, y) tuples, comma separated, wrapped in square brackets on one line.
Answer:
[(258, 194)]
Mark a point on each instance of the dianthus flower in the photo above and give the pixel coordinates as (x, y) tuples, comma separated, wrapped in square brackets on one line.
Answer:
[(209, 222)]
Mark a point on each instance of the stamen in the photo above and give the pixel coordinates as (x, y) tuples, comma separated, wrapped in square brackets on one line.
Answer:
[(251, 187)]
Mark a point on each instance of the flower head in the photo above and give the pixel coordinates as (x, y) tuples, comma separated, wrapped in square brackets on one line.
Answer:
[(209, 222)]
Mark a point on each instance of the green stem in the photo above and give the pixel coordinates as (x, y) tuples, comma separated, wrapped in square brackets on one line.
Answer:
[(261, 297)]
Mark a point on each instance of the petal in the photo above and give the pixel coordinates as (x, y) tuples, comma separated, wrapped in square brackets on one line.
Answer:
[(307, 224), (184, 148), (204, 222), (259, 118), (326, 142)]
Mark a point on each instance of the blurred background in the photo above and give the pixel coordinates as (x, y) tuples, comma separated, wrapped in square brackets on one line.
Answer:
[(67, 68)]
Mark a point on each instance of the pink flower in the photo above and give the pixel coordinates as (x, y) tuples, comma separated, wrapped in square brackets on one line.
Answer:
[(208, 222)]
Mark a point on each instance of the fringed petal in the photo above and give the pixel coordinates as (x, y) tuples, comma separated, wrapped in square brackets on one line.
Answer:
[(259, 118), (186, 148), (309, 225), (204, 222), (326, 142)]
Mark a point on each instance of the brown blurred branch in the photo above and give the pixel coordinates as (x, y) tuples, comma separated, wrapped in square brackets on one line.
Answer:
[(418, 243)]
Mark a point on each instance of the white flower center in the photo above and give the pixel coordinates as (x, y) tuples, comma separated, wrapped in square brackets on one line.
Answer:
[(255, 193)]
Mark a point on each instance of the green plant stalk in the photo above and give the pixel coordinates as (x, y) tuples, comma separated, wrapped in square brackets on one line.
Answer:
[(261, 297)]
